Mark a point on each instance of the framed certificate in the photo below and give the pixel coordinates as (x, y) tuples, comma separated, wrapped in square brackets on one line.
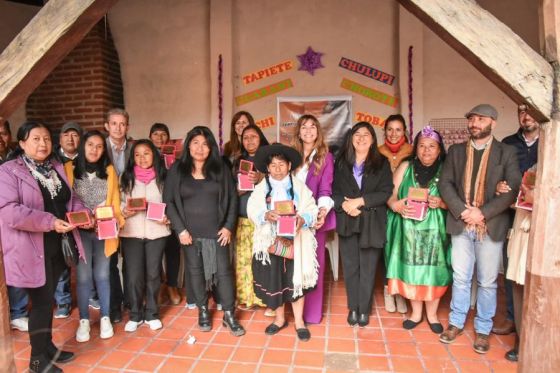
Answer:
[(418, 194), (418, 200), (243, 183), (107, 229), (286, 226), (168, 149), (104, 213), (78, 218), (245, 166), (136, 204), (155, 211), (285, 207)]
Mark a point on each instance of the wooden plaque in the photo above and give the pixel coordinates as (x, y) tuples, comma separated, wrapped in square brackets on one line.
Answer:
[(285, 207), (136, 204), (78, 218), (104, 213)]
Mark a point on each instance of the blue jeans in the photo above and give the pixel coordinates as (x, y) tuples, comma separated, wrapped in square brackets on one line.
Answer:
[(62, 294), (466, 252), (18, 299), (96, 267)]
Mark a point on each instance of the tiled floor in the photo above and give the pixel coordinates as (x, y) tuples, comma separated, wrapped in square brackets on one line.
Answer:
[(334, 347)]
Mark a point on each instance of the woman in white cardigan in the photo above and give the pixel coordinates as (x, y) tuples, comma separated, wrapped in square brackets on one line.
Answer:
[(279, 279), (143, 240)]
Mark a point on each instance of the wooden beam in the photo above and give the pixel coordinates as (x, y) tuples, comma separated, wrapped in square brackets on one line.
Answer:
[(540, 331), (54, 31), (493, 48)]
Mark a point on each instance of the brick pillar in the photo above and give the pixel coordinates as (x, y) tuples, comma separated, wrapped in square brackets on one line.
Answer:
[(83, 86)]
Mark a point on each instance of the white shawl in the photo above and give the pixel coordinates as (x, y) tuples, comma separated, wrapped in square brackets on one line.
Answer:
[(306, 266)]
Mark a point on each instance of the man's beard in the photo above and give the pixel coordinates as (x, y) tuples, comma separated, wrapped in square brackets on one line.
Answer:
[(484, 132), (530, 129)]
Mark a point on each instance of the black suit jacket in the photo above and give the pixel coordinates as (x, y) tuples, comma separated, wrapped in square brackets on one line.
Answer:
[(376, 190), (502, 165)]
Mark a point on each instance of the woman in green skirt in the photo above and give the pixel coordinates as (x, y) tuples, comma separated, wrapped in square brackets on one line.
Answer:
[(417, 247)]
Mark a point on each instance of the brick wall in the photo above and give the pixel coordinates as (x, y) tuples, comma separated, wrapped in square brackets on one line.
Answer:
[(83, 86)]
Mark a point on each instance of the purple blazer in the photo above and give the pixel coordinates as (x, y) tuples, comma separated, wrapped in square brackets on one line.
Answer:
[(321, 185), (23, 222)]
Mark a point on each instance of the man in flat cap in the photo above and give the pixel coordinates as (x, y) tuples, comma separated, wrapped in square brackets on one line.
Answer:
[(478, 220), (69, 141)]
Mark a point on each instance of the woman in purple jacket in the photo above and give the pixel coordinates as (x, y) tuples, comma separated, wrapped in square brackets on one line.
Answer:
[(316, 172), (34, 200)]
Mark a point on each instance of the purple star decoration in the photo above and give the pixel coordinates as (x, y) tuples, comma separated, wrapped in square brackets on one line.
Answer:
[(310, 61)]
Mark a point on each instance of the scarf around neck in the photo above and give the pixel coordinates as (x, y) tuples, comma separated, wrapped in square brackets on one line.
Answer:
[(424, 174), (480, 183), (394, 148), (144, 175), (45, 174)]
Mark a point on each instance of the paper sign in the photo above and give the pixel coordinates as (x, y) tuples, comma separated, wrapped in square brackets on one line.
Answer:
[(156, 211), (107, 229), (266, 122), (243, 183), (370, 93), (374, 120), (78, 218), (366, 71), (104, 212), (263, 92), (136, 204), (267, 71)]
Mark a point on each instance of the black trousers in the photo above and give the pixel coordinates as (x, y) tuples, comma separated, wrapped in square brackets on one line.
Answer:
[(359, 266), (115, 283), (42, 298), (142, 259), (172, 257), (194, 266)]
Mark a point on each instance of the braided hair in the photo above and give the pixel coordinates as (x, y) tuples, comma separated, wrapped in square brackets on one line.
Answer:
[(266, 177)]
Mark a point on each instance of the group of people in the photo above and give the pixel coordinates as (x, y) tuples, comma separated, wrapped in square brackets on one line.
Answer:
[(365, 194)]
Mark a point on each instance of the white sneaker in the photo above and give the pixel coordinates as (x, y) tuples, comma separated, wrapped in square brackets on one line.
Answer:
[(105, 328), (190, 306), (131, 326), (154, 324), (219, 306), (21, 324), (82, 334)]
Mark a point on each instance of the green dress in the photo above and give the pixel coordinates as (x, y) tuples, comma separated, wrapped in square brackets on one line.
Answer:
[(417, 253)]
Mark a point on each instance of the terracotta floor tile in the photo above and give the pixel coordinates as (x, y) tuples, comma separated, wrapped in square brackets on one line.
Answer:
[(317, 330), (306, 370), (225, 338), (76, 369), (247, 354), (341, 332), (214, 352), (309, 359), (314, 344), (133, 344), (341, 310), (463, 352), (187, 350), (438, 365), (258, 339), (89, 357), (146, 363), (425, 336), (161, 346), (470, 366), (240, 368), (173, 334), (401, 364), (176, 365), (183, 323), (280, 357), (496, 352), (407, 349), (117, 359), (503, 366), (374, 363), (341, 345), (392, 322), (273, 369), (371, 347), (207, 367), (370, 334), (438, 350), (397, 335), (282, 341)]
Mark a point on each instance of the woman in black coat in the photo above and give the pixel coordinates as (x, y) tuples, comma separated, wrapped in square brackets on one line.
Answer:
[(202, 207), (361, 187)]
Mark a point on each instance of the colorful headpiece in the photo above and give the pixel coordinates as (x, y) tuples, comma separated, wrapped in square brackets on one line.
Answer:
[(430, 133)]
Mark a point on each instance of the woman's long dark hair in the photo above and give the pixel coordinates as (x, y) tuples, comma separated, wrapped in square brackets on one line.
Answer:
[(128, 177), (262, 142), (23, 135), (267, 176), (212, 168), (347, 155), (81, 165), (234, 145)]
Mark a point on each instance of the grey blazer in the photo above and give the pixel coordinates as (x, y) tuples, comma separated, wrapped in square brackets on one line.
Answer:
[(502, 165), (126, 152)]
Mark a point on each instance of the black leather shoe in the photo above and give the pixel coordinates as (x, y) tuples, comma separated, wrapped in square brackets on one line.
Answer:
[(409, 324), (42, 364), (512, 355), (204, 320), (274, 329), (231, 323), (303, 334), (59, 356), (363, 320), (352, 317), (115, 316), (436, 327)]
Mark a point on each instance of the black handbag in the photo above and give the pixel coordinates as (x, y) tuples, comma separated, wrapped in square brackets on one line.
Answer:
[(69, 250)]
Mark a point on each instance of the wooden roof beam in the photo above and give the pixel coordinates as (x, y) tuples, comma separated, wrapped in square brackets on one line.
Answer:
[(493, 48), (54, 31)]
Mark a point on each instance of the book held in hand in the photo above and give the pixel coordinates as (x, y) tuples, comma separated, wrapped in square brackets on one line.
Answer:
[(243, 182), (104, 213), (107, 229), (286, 226), (136, 204), (156, 211), (78, 218), (418, 200)]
